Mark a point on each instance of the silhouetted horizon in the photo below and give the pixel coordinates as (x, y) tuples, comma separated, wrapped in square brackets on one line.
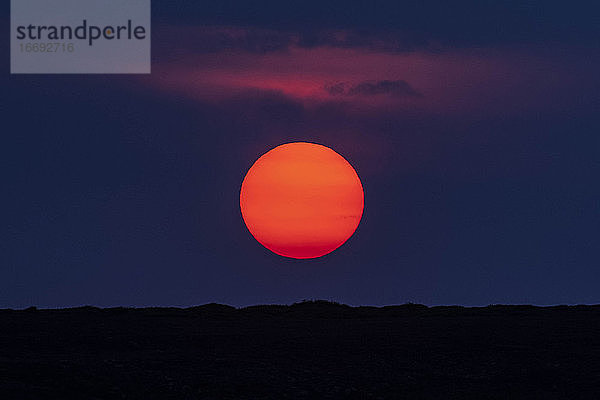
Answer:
[(308, 350), (316, 303)]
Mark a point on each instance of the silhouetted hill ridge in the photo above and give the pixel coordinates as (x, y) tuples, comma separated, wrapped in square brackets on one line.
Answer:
[(317, 309)]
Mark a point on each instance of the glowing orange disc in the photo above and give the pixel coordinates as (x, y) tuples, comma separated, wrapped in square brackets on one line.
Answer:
[(301, 200)]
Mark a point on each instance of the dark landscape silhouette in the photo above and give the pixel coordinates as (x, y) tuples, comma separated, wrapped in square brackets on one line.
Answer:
[(309, 350)]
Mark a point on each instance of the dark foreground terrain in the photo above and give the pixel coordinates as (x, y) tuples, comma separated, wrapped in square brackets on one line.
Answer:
[(310, 350)]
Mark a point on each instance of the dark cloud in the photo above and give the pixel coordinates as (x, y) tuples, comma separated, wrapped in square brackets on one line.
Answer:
[(458, 23), (373, 39), (175, 40), (391, 27), (397, 88), (212, 39)]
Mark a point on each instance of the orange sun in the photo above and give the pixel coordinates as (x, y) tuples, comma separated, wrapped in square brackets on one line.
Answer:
[(301, 200)]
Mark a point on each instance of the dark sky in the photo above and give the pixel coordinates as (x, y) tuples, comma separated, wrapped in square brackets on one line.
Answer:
[(474, 127)]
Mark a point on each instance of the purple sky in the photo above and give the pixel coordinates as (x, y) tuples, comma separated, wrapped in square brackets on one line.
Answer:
[(474, 129)]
